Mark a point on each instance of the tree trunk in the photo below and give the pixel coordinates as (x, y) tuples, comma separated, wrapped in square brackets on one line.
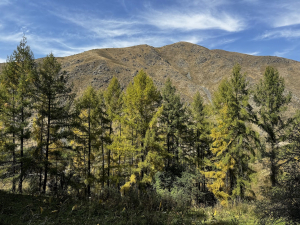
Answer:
[(47, 145), (273, 168), (41, 156), (89, 156), (108, 157), (22, 152), (14, 144)]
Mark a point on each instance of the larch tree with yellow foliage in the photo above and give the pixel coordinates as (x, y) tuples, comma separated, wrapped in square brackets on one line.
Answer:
[(53, 105), (233, 139), (141, 101), (113, 104), (91, 132)]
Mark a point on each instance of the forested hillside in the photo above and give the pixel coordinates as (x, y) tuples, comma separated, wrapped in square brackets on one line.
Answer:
[(142, 147)]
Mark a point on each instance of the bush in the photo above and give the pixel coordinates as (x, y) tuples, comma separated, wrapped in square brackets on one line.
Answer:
[(283, 201), (180, 187)]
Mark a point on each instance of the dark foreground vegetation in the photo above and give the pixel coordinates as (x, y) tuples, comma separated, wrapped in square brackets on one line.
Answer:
[(140, 155)]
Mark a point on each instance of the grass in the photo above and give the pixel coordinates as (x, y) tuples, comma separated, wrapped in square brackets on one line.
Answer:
[(26, 209)]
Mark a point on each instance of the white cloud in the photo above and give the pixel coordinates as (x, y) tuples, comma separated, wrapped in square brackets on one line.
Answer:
[(191, 39), (203, 3), (252, 53), (283, 13), (222, 42), (194, 21), (283, 53), (283, 33), (287, 19), (191, 15), (15, 37), (103, 28)]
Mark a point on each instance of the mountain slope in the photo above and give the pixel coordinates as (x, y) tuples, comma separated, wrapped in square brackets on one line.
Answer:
[(191, 67)]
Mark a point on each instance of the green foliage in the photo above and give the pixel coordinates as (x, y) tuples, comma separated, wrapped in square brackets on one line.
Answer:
[(53, 106), (173, 124), (282, 201), (234, 140), (16, 97), (113, 103), (113, 99), (141, 101), (141, 156), (92, 123), (269, 96), (181, 186)]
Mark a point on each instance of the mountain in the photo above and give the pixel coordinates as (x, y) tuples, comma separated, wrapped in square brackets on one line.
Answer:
[(191, 68)]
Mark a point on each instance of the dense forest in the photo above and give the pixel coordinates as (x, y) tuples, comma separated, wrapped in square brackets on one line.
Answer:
[(146, 147)]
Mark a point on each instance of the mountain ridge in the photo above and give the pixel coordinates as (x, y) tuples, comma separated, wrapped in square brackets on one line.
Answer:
[(191, 67)]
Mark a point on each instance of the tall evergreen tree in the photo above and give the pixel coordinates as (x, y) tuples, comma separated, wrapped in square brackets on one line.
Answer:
[(16, 80), (272, 102)]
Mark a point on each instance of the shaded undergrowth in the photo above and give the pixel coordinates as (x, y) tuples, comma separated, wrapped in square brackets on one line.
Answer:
[(114, 209)]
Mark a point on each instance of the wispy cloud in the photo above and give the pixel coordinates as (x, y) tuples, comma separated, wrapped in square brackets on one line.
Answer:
[(283, 13), (190, 15), (102, 28), (223, 41), (194, 21), (282, 33), (192, 39), (287, 19), (12, 37), (252, 53), (283, 53)]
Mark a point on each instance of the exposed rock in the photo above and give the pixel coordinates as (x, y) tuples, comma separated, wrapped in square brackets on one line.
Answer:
[(191, 68)]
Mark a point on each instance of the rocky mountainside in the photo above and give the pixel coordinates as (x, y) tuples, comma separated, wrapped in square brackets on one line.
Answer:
[(191, 68)]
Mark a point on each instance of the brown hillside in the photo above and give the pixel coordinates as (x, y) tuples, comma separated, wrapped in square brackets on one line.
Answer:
[(191, 67)]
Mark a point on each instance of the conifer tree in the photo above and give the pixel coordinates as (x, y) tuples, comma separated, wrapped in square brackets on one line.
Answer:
[(201, 139), (16, 82), (53, 102), (233, 139), (173, 127), (113, 103), (141, 101), (173, 121), (89, 128), (272, 102)]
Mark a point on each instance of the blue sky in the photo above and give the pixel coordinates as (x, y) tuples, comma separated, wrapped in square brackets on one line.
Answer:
[(67, 27)]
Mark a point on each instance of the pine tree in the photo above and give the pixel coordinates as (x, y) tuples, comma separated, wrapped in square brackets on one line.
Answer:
[(53, 104), (16, 79), (272, 102)]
